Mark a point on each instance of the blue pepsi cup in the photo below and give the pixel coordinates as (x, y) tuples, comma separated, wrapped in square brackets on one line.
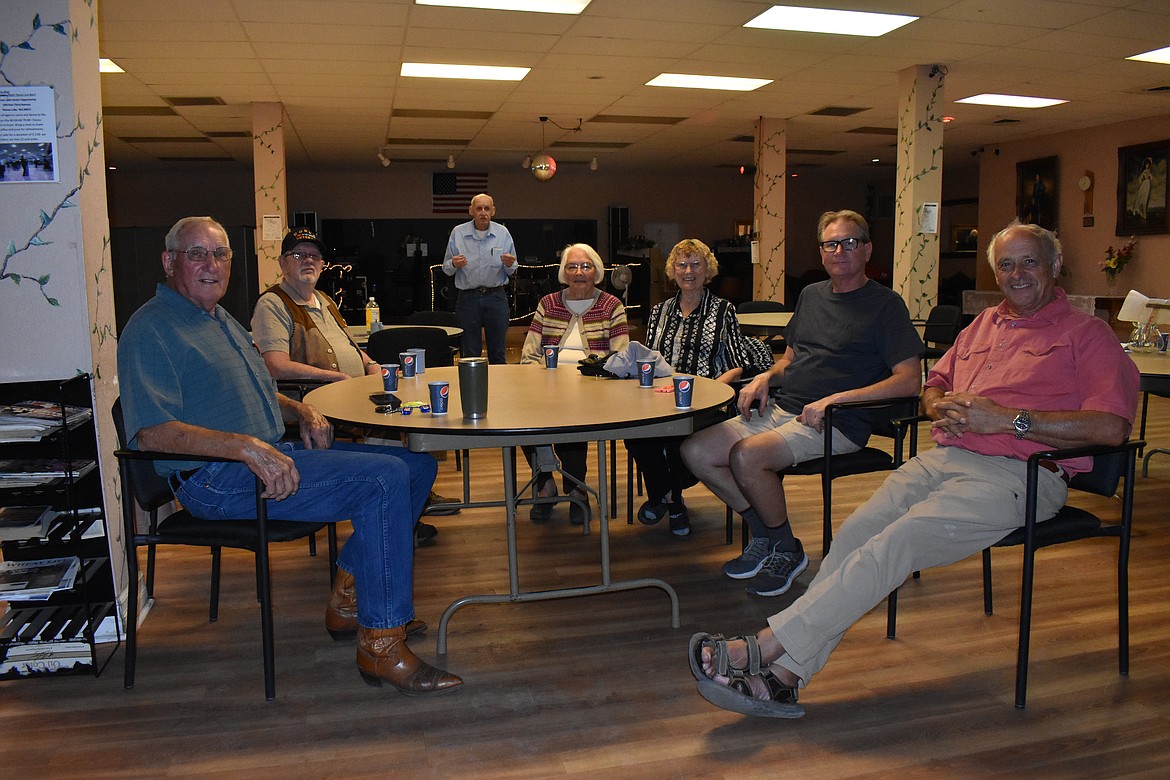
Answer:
[(440, 392), (646, 373), (408, 364), (550, 357), (389, 377), (420, 359), (684, 391)]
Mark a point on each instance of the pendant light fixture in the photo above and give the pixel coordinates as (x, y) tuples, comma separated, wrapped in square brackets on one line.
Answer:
[(543, 166)]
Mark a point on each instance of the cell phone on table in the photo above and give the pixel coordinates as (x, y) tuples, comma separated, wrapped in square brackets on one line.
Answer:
[(385, 402)]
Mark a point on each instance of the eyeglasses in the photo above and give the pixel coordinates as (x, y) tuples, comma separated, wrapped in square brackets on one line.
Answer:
[(299, 256), (583, 267), (197, 253), (848, 244)]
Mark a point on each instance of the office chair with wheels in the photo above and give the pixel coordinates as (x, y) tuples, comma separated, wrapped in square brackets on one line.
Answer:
[(152, 492), (1110, 466)]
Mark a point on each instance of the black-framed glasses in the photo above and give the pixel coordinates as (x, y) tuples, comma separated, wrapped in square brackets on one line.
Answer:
[(197, 253), (299, 256), (848, 244), (584, 267)]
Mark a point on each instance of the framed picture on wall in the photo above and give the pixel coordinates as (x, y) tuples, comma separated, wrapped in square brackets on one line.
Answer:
[(1036, 200), (1141, 188)]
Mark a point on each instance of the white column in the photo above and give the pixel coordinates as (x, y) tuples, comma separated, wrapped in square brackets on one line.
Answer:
[(768, 224), (271, 196), (919, 187), (56, 287)]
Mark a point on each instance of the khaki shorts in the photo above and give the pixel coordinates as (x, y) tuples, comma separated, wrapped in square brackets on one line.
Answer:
[(804, 442)]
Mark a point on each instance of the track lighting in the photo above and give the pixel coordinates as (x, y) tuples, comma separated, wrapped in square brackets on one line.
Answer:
[(593, 164), (527, 163), (450, 161), (384, 160)]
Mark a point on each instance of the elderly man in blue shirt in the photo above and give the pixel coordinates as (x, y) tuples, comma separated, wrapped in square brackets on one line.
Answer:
[(192, 381), (482, 257)]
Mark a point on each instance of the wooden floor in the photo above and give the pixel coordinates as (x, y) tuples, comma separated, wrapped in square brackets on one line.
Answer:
[(600, 687)]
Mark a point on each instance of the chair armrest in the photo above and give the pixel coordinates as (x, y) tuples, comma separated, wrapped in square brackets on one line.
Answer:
[(1088, 450), (156, 455)]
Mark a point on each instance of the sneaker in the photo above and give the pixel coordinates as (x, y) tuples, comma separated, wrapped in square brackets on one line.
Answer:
[(750, 561), (652, 512), (424, 534), (680, 521), (779, 570)]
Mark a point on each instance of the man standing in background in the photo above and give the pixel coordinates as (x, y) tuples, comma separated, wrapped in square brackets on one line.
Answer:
[(482, 257)]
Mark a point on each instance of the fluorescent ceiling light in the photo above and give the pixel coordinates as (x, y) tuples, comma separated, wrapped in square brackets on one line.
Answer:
[(1161, 56), (1011, 101), (435, 70), (824, 20), (535, 6), (108, 66), (689, 81)]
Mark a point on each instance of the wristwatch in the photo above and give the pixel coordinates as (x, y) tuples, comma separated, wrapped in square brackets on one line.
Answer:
[(1022, 423)]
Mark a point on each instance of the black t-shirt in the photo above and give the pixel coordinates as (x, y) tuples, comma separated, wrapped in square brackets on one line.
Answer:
[(843, 341)]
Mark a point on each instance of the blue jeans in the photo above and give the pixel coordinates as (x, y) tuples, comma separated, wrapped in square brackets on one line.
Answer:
[(382, 490), (488, 312)]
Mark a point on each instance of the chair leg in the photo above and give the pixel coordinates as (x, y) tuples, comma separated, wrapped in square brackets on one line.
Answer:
[(892, 614), (312, 545), (214, 608), (265, 582), (613, 480), (987, 605), (1025, 627), (331, 534), (150, 556), (630, 478)]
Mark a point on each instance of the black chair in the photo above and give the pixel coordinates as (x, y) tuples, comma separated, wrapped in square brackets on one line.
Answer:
[(940, 331), (385, 345), (439, 318), (1110, 466), (152, 492), (1151, 385), (893, 418)]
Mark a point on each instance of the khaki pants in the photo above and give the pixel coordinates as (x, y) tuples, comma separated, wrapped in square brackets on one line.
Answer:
[(938, 508)]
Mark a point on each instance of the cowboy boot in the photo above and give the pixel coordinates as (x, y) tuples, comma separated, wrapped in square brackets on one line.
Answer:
[(382, 655), (341, 620)]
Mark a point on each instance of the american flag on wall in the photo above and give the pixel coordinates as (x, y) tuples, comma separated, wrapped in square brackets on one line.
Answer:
[(451, 193)]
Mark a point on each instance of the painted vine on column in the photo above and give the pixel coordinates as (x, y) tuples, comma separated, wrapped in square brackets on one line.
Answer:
[(268, 191), (772, 268), (923, 264)]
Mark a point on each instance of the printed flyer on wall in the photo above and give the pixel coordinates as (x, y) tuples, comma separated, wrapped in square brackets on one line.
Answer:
[(28, 135)]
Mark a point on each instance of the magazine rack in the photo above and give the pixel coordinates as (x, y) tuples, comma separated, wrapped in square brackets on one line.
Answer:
[(60, 635)]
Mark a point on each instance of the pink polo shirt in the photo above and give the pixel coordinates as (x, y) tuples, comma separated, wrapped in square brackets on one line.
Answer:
[(1057, 359)]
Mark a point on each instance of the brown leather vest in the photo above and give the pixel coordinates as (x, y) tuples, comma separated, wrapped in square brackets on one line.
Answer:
[(307, 344)]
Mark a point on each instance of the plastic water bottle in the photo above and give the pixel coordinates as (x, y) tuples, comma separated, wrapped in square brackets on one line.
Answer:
[(373, 313)]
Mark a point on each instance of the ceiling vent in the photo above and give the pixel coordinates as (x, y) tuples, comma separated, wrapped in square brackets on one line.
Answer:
[(837, 111)]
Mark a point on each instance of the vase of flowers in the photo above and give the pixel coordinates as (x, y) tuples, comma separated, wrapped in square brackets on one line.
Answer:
[(1117, 259)]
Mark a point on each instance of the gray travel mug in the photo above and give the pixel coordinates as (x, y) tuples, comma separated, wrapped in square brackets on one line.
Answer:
[(473, 387)]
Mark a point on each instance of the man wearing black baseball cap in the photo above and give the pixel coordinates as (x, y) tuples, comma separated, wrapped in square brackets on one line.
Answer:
[(301, 334)]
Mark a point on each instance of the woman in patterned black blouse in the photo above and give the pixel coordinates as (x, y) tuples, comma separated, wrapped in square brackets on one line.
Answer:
[(697, 333)]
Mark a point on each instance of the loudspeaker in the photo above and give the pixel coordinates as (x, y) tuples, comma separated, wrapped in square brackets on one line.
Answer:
[(305, 219)]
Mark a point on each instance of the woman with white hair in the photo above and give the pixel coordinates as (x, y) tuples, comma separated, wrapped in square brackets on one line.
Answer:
[(580, 320)]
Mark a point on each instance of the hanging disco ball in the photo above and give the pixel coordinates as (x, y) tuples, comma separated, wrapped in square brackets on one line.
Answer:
[(544, 167)]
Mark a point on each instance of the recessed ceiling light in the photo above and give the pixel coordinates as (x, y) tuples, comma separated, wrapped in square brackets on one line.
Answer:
[(1011, 101), (824, 20), (689, 81), (436, 70), (108, 66), (1161, 56), (535, 6)]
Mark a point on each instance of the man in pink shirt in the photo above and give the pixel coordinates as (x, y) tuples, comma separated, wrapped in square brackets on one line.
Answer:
[(1028, 375)]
